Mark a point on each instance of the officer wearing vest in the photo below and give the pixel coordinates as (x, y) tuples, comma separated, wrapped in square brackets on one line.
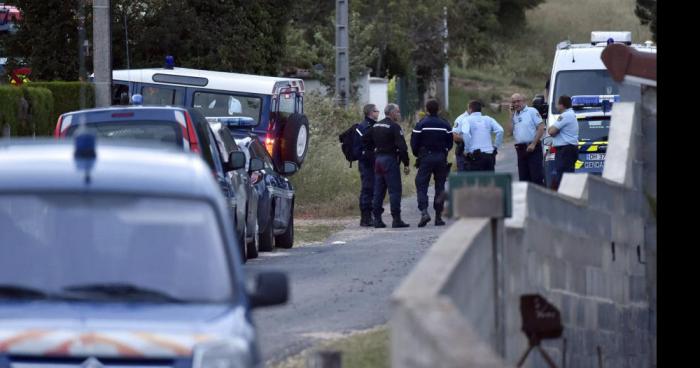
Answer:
[(527, 128), (365, 164), (430, 142), (476, 132), (565, 141), (387, 140), (459, 145)]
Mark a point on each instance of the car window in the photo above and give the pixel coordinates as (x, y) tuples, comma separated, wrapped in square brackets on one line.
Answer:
[(227, 105), (142, 130), (215, 151), (583, 82), (260, 152), (158, 95), (171, 245), (201, 128)]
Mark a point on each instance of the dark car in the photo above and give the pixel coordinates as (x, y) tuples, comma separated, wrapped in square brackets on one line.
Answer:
[(121, 256), (275, 194), (185, 128)]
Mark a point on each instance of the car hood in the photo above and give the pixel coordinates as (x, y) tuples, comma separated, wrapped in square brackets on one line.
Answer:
[(117, 330)]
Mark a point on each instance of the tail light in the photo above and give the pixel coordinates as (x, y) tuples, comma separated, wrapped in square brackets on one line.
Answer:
[(57, 132), (269, 143), (255, 178), (194, 142)]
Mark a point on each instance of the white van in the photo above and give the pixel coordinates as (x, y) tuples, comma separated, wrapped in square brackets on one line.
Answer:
[(578, 72)]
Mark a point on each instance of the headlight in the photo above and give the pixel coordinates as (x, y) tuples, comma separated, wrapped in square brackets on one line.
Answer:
[(233, 353)]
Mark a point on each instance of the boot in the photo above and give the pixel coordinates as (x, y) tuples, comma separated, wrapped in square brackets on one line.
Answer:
[(366, 219), (438, 219), (378, 223), (398, 222), (424, 218)]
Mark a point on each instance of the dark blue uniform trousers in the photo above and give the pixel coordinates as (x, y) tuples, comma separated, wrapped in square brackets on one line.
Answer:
[(435, 164), (386, 176), (459, 157), (530, 164), (366, 168), (564, 161)]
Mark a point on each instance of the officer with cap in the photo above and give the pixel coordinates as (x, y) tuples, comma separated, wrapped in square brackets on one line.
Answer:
[(459, 145), (365, 164), (430, 142), (565, 141), (387, 140), (527, 128), (476, 132)]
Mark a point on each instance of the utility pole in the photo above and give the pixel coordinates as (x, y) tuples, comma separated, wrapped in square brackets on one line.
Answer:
[(342, 61), (81, 53), (446, 70), (102, 55)]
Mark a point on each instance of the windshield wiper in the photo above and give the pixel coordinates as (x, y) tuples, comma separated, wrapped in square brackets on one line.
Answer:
[(120, 291), (9, 291)]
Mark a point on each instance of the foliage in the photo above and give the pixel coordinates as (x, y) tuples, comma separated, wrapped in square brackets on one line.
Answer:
[(646, 11), (35, 120), (66, 96)]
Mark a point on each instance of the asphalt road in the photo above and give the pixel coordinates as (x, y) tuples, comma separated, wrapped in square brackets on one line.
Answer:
[(345, 283)]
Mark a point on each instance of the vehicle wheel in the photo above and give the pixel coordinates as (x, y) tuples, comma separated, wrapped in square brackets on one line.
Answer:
[(295, 139), (253, 246), (286, 239), (267, 235)]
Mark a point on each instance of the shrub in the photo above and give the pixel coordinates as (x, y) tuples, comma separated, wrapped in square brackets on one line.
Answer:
[(66, 96)]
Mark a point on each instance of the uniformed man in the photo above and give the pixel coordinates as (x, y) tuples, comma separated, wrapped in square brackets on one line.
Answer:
[(459, 145), (527, 128), (430, 142), (387, 140), (365, 164), (475, 132), (565, 141)]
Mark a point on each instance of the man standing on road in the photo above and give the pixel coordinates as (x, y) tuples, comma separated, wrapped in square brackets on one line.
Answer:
[(565, 141), (387, 140), (459, 145), (365, 164), (475, 132), (527, 128), (430, 142)]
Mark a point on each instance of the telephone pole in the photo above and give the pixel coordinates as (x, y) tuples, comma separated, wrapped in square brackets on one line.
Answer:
[(102, 55), (342, 61)]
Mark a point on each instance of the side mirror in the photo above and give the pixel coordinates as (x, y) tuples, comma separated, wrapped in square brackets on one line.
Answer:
[(236, 160), (271, 288), (289, 168), (256, 164)]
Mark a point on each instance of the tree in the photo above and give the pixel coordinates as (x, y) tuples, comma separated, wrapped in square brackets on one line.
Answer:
[(46, 39), (646, 12)]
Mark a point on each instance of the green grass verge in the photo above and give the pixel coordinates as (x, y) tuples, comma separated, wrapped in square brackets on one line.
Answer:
[(367, 349), (309, 232)]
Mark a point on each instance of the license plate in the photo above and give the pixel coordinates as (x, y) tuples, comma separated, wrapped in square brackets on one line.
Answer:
[(595, 156)]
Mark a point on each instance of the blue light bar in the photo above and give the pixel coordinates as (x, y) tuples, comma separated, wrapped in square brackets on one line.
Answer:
[(235, 121), (593, 100)]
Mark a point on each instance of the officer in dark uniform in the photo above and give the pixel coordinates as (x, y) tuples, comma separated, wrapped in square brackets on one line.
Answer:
[(430, 142), (386, 138), (365, 164)]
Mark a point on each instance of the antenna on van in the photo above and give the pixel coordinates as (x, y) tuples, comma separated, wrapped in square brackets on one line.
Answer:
[(573, 57)]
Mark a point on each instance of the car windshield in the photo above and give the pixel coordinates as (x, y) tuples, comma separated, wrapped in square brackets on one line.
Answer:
[(225, 105), (583, 82), (593, 130), (159, 131), (127, 247)]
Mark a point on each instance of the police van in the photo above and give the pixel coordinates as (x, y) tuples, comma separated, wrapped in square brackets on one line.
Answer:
[(578, 72), (272, 108)]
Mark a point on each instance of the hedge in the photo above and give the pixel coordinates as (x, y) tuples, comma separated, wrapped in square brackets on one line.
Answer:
[(45, 101)]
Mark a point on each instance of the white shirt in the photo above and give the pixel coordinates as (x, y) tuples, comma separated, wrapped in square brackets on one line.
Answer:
[(476, 132)]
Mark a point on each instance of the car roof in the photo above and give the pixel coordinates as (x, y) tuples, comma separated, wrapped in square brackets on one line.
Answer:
[(223, 81), (586, 56), (49, 165)]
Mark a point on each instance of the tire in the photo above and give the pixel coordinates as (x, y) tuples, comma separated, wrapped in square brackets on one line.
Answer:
[(267, 235), (295, 139), (286, 239), (252, 247)]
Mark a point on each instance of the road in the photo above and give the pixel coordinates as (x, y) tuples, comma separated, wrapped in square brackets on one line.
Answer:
[(344, 284)]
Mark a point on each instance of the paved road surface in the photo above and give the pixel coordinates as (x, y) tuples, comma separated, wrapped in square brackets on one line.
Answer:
[(346, 286)]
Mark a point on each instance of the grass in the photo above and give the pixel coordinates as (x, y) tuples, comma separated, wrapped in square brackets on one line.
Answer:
[(306, 232), (367, 349)]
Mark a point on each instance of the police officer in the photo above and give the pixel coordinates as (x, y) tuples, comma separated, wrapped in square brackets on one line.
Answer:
[(459, 145), (430, 142), (386, 139), (527, 128), (565, 141), (365, 164), (476, 132)]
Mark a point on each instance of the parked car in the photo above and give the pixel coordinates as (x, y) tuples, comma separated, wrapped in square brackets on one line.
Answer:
[(270, 107), (184, 128), (121, 256), (275, 195)]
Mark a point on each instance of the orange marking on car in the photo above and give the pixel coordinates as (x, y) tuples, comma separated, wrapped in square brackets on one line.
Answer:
[(22, 337), (165, 343)]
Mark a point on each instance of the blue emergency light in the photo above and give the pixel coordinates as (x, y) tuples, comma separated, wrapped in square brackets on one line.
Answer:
[(238, 121), (85, 145), (603, 101), (137, 99), (169, 62)]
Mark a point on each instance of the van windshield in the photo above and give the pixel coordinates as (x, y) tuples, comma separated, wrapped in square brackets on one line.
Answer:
[(228, 105), (593, 130), (583, 82)]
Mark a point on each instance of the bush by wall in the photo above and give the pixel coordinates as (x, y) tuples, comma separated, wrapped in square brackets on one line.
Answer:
[(66, 96), (26, 110)]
